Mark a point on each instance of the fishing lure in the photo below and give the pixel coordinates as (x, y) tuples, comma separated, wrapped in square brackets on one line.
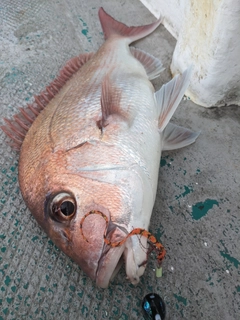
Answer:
[(157, 246)]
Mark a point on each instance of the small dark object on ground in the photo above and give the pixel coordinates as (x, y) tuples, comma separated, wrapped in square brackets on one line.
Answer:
[(153, 307)]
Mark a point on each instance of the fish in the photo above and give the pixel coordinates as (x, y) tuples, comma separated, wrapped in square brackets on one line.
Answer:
[(91, 142)]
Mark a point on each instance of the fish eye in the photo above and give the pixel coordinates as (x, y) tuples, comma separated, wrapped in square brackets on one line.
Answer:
[(63, 207)]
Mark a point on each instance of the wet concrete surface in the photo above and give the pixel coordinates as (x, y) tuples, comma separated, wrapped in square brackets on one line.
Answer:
[(196, 214)]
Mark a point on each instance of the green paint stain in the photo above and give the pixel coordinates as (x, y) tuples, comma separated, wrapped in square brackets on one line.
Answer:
[(16, 222), (84, 309), (72, 288), (200, 209), (84, 281), (160, 232), (238, 288), (3, 249), (7, 280), (26, 285), (80, 294), (50, 242), (231, 259), (163, 163), (85, 32), (9, 300), (35, 238), (65, 310), (187, 191), (14, 288), (5, 311), (180, 299), (26, 301)]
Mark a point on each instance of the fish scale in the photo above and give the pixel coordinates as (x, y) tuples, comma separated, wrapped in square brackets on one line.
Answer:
[(92, 142)]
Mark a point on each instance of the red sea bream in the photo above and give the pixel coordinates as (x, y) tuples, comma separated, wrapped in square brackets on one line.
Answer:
[(92, 140)]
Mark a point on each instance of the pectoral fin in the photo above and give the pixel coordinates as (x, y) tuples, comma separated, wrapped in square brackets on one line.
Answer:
[(169, 97), (175, 137), (110, 105)]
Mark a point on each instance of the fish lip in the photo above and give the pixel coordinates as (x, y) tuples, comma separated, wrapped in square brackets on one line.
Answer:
[(105, 273), (110, 260)]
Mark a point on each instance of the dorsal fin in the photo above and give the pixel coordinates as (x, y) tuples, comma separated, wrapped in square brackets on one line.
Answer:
[(17, 128), (111, 27), (153, 66)]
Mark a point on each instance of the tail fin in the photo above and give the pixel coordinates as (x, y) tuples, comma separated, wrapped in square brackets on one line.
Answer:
[(111, 27)]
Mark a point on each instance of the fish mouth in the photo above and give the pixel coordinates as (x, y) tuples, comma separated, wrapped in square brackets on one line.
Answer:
[(113, 257), (103, 261)]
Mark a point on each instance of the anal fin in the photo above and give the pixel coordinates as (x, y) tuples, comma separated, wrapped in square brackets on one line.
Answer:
[(153, 66), (175, 137)]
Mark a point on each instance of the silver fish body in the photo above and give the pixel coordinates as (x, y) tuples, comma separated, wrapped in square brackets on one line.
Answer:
[(96, 145)]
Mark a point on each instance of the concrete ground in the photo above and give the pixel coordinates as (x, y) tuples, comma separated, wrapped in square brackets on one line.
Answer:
[(196, 215)]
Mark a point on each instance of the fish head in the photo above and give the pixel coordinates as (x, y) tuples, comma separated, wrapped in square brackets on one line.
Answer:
[(59, 199)]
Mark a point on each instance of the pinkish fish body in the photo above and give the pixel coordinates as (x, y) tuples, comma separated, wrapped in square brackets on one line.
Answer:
[(96, 145)]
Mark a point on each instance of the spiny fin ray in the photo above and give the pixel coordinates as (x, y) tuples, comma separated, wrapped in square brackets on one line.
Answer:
[(17, 128)]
